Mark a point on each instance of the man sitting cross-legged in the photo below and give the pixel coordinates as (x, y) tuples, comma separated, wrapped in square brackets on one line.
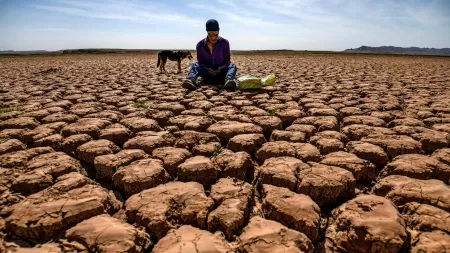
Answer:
[(213, 66)]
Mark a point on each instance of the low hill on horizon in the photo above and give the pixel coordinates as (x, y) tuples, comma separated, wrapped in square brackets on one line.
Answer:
[(400, 50)]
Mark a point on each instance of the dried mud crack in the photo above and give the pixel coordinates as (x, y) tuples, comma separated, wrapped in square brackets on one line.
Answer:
[(343, 154)]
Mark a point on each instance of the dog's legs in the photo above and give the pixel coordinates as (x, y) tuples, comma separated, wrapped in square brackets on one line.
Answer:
[(164, 65), (160, 63)]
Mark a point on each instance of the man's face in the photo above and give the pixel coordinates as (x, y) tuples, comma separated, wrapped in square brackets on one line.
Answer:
[(213, 37)]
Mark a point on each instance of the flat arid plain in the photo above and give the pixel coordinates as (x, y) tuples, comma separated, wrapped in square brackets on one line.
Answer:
[(345, 153)]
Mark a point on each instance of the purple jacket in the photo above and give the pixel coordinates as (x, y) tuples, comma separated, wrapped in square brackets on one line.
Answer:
[(219, 57)]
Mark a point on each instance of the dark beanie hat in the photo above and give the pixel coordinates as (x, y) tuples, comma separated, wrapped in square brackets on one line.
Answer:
[(212, 25)]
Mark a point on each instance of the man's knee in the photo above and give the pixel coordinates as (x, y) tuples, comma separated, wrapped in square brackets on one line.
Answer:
[(194, 65), (232, 66)]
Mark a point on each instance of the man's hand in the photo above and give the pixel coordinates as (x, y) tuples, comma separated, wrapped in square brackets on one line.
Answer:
[(211, 72)]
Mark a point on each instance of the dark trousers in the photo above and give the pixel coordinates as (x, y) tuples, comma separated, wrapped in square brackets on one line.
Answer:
[(197, 70)]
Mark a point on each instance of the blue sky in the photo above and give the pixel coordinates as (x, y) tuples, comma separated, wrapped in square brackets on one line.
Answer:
[(247, 24)]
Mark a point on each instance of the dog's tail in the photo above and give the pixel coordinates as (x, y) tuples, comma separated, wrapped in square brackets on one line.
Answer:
[(159, 59)]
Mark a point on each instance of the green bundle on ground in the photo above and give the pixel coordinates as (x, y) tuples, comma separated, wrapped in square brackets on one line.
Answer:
[(251, 82)]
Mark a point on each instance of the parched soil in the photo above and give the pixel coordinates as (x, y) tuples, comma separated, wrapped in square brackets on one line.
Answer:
[(345, 153)]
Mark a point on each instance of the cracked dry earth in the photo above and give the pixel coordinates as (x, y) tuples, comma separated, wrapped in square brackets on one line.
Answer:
[(343, 154)]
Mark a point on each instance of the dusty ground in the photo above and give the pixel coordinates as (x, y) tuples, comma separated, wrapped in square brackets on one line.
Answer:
[(343, 154)]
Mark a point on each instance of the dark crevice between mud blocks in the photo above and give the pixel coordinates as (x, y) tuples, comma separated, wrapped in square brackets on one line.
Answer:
[(88, 170), (30, 243), (324, 220), (407, 245)]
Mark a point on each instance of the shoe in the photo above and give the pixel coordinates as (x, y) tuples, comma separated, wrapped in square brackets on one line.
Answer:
[(199, 81), (189, 84), (229, 84)]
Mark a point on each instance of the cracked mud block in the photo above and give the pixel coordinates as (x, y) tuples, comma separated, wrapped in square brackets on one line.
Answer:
[(11, 145), (30, 136), (116, 133), (275, 149), (309, 130), (226, 130), (232, 198), (19, 123), (60, 117), (199, 169), (418, 166), (357, 132), (304, 151), (89, 126), (246, 142), (187, 139), (349, 111), (423, 217), (110, 115), (19, 159), (430, 242), (71, 143), (266, 236), (395, 145), (405, 122), (442, 155), (7, 134), (175, 108), (432, 140), (327, 145), (83, 109), (321, 123), (387, 116), (171, 157), (268, 123), (140, 175), (363, 120), (289, 136), (150, 142), (136, 124), (90, 150), (162, 117), (323, 112), (326, 185), (169, 206), (106, 165), (54, 141), (288, 116), (367, 223), (72, 199), (369, 152), (254, 111), (207, 149), (104, 233), (442, 127), (191, 122), (281, 171), (307, 152), (42, 171), (238, 165), (187, 239), (362, 170), (295, 211), (401, 190), (38, 115)]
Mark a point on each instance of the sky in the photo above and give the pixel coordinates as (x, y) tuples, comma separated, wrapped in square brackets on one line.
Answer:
[(248, 24)]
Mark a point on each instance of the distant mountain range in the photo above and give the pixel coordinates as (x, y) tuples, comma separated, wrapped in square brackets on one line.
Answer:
[(400, 50)]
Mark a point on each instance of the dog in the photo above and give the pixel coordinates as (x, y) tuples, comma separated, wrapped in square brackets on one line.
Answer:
[(173, 56)]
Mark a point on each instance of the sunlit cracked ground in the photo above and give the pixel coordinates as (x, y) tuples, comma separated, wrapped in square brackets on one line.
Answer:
[(345, 153)]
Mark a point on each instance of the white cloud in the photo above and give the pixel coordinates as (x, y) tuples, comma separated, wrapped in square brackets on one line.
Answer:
[(117, 10)]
